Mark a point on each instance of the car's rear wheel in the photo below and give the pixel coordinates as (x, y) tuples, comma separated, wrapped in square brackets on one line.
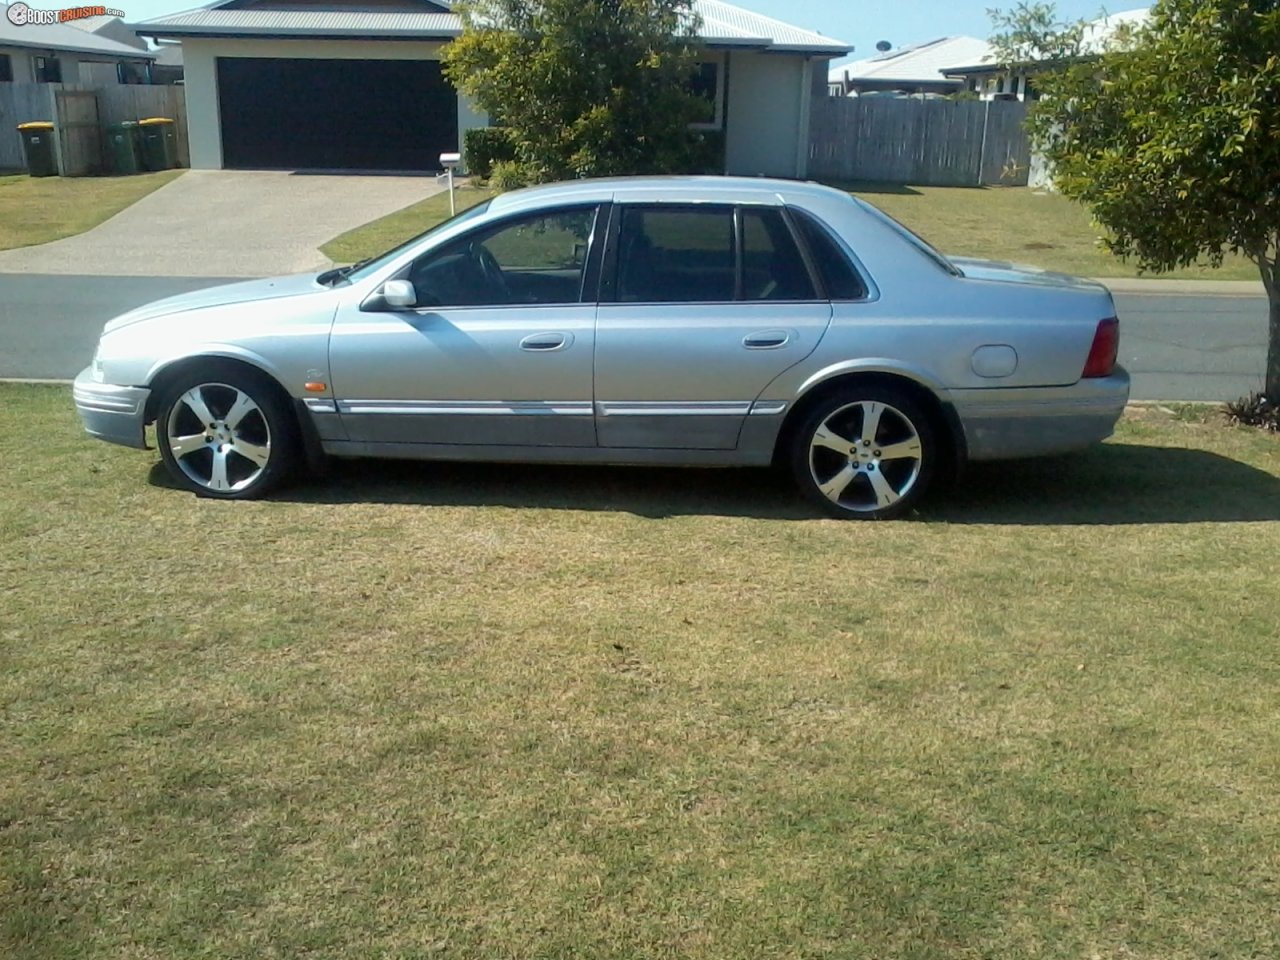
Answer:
[(226, 432), (865, 453)]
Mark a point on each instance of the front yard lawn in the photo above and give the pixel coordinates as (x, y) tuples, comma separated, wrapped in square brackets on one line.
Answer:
[(40, 209), (1022, 225), (1000, 223), (504, 711)]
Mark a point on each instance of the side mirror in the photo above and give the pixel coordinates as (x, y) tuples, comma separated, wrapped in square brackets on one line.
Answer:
[(399, 294)]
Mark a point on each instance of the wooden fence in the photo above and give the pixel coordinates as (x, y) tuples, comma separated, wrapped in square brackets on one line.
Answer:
[(79, 114), (930, 142)]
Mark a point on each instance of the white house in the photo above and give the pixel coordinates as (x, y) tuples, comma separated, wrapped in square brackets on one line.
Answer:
[(357, 84), (914, 69), (58, 53), (982, 75)]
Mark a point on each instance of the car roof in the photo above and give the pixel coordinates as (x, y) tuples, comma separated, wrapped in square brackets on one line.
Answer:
[(701, 189)]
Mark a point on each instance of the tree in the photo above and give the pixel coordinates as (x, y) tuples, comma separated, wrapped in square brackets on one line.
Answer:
[(1030, 34), (1171, 141), (585, 87)]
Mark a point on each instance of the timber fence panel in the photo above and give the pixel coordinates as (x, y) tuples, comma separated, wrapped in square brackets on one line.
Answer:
[(20, 103), (928, 142)]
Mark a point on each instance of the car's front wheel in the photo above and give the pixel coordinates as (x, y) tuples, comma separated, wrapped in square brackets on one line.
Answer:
[(865, 453), (226, 432)]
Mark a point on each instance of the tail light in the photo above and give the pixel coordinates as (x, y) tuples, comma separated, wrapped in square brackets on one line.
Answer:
[(1102, 355)]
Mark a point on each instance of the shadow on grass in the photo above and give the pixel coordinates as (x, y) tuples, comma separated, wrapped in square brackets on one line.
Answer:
[(1113, 484)]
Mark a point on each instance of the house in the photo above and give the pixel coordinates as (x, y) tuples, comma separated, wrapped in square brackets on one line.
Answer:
[(916, 69), (112, 28), (58, 53), (168, 65), (982, 75), (357, 84)]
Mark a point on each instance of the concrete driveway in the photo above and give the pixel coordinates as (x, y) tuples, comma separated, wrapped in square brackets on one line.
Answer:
[(225, 223)]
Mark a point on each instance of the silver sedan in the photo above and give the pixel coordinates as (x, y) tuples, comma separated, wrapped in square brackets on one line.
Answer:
[(679, 321)]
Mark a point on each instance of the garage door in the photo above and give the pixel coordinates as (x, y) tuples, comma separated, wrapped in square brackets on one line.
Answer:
[(335, 114)]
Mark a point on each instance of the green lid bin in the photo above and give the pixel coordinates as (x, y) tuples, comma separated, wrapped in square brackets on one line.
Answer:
[(37, 144), (159, 143), (123, 146)]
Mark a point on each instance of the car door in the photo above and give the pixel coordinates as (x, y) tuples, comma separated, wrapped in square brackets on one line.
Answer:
[(703, 306), (496, 351)]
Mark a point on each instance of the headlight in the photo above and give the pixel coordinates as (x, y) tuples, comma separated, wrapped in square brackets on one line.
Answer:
[(95, 369)]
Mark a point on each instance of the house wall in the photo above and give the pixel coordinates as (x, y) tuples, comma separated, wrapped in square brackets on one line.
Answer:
[(767, 122), (201, 80), (82, 68)]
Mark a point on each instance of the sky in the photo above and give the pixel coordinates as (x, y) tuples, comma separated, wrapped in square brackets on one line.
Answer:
[(862, 23)]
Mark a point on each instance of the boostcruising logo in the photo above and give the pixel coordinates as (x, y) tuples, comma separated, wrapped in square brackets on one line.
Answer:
[(21, 15)]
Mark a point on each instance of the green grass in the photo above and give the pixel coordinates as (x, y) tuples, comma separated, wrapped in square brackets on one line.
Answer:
[(386, 232), (40, 209), (999, 223), (435, 710), (1022, 225)]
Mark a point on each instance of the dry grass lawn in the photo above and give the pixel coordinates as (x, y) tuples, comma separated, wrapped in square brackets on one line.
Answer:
[(40, 209), (444, 711), (1000, 223)]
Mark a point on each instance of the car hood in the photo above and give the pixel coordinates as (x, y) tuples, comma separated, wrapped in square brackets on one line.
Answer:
[(272, 288), (1006, 272)]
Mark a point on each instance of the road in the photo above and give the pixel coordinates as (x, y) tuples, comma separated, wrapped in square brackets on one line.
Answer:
[(1178, 347)]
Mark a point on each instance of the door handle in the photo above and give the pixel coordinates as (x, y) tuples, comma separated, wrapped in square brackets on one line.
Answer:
[(546, 342), (766, 339)]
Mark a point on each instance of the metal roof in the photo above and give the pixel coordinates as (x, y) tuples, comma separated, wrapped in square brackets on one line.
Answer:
[(1097, 34), (921, 63), (59, 36), (722, 24)]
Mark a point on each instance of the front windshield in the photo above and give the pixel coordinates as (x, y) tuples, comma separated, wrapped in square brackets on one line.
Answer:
[(362, 270), (919, 243)]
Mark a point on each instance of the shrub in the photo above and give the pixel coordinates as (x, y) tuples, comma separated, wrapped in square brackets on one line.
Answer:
[(1255, 410), (485, 147)]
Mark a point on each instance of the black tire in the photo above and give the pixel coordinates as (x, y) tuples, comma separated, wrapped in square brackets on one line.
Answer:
[(226, 431), (838, 453)]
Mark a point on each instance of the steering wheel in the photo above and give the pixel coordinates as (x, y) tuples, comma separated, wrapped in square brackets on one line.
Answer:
[(491, 271)]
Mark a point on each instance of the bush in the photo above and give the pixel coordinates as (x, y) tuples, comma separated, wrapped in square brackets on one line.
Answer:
[(508, 175), (1255, 410), (485, 147)]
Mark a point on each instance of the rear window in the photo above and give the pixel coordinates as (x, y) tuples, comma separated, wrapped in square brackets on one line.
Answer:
[(839, 278)]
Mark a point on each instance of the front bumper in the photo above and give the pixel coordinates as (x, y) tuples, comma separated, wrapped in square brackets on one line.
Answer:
[(1003, 424), (111, 413)]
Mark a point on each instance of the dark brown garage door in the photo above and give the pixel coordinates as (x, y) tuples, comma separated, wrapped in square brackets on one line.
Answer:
[(335, 114)]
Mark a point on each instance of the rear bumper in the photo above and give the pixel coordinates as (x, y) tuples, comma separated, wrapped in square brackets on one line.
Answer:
[(111, 413), (1041, 421)]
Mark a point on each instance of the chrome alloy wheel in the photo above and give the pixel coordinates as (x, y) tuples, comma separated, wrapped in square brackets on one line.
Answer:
[(866, 456), (219, 437)]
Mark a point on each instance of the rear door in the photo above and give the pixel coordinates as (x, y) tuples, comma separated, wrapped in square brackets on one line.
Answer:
[(703, 306)]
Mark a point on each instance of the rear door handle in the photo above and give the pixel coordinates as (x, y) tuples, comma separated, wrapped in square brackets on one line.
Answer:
[(766, 339), (546, 342)]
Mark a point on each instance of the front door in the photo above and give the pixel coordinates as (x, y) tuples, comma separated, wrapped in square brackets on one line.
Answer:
[(706, 305), (497, 351)]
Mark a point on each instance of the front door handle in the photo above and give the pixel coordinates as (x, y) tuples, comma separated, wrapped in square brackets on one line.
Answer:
[(546, 342), (766, 339)]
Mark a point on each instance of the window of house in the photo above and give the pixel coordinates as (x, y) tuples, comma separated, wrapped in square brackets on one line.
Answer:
[(1000, 85), (538, 259), (6, 68), (708, 254), (48, 70), (706, 84)]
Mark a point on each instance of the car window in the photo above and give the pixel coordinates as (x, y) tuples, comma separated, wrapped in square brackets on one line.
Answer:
[(772, 267), (375, 264), (676, 254), (534, 259), (839, 277)]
